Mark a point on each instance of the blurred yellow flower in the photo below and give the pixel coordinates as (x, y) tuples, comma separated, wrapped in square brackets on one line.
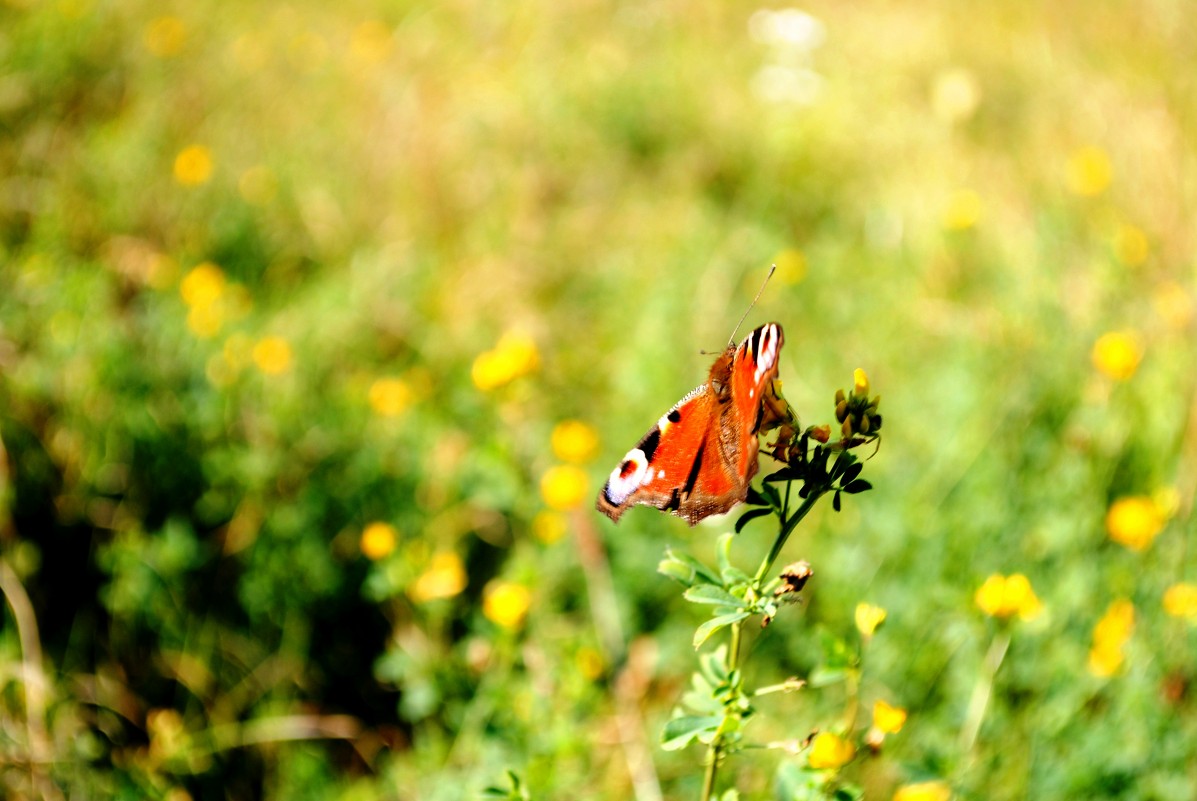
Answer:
[(378, 540), (955, 95), (1180, 600), (165, 36), (868, 618), (1005, 596), (574, 441), (272, 355), (1131, 245), (514, 356), (564, 487), (830, 751), (370, 43), (888, 718), (1173, 304), (963, 210), (444, 577), (923, 791), (193, 165), (203, 285), (205, 321), (1117, 354), (548, 527), (1134, 521), (1089, 171), (791, 266), (506, 603), (1109, 636), (389, 397), (589, 662), (257, 185)]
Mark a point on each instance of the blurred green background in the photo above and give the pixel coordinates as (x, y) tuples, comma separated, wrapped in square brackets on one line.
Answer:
[(321, 324)]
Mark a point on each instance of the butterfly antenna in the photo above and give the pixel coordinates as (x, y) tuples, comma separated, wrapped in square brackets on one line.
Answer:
[(772, 269)]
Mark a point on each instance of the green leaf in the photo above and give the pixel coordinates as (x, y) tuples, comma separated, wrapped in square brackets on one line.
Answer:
[(859, 485), (681, 731), (723, 552), (703, 632), (685, 569), (755, 498), (712, 594), (848, 792), (749, 516), (835, 501), (785, 474), (851, 473)]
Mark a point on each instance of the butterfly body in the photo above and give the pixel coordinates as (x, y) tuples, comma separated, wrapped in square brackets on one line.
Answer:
[(698, 459)]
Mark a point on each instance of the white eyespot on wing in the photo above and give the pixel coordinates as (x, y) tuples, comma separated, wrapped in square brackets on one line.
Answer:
[(766, 355), (660, 474), (625, 478)]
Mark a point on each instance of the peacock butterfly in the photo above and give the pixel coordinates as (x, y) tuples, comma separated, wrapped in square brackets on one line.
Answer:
[(699, 457)]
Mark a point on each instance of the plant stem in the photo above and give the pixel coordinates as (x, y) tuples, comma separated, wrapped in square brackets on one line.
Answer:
[(715, 749), (981, 692), (784, 534)]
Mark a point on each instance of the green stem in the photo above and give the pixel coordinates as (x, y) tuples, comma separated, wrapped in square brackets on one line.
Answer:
[(982, 691), (784, 534), (715, 749)]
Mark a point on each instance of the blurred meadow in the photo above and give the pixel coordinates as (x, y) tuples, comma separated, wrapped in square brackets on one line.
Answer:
[(322, 324)]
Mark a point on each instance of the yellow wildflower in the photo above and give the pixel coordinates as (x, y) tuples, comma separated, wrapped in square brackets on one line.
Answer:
[(205, 321), (589, 662), (549, 527), (193, 165), (888, 718), (860, 381), (370, 43), (389, 397), (1005, 596), (1134, 522), (1131, 245), (514, 356), (1089, 171), (963, 210), (868, 618), (574, 441), (378, 540), (564, 487), (1180, 600), (506, 603), (272, 355), (165, 36), (1117, 354), (791, 266), (444, 577), (1109, 636), (955, 95), (203, 285), (923, 791), (830, 751), (1173, 304)]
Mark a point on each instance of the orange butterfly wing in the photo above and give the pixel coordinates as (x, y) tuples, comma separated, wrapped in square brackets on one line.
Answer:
[(698, 459)]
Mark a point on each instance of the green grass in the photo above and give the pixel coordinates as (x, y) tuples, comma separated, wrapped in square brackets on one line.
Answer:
[(391, 189)]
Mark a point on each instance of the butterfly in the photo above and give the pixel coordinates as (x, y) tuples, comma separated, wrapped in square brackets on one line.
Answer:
[(699, 457)]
